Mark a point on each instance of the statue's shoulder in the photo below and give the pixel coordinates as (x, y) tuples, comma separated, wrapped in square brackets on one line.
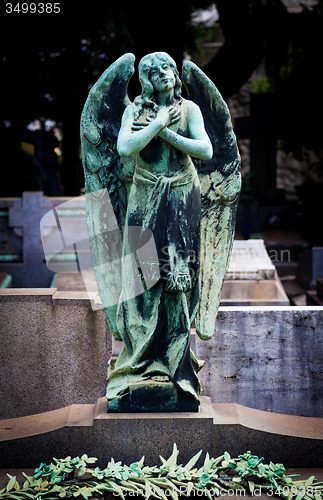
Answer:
[(129, 111), (189, 105)]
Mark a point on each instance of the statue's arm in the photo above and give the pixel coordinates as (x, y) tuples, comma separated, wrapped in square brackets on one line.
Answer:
[(131, 141), (198, 144)]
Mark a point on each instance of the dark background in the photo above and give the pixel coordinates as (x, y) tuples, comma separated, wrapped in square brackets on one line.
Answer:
[(48, 63)]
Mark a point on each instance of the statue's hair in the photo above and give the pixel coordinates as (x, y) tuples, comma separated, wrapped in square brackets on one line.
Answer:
[(147, 97)]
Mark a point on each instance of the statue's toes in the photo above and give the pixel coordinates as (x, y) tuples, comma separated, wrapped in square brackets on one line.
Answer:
[(178, 283)]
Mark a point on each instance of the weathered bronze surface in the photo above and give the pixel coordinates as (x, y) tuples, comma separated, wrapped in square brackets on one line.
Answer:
[(162, 179)]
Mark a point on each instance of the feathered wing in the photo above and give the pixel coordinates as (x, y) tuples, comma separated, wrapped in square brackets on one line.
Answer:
[(100, 125), (105, 185), (220, 181)]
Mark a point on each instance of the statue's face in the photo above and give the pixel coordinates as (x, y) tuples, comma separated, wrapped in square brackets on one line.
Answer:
[(162, 76)]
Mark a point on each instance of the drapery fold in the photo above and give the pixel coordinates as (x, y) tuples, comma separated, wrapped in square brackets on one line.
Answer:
[(155, 324)]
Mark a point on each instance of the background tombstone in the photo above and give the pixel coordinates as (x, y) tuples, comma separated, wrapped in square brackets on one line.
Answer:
[(21, 244), (252, 279), (25, 261)]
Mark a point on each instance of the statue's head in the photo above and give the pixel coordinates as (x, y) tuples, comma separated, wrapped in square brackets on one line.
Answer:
[(146, 65)]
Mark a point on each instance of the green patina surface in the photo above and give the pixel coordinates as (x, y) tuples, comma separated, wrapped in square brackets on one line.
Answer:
[(167, 170)]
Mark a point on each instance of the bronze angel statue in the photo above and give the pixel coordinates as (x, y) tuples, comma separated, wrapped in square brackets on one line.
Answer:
[(162, 180)]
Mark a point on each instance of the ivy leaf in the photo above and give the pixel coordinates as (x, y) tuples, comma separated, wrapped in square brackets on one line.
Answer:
[(309, 481), (135, 468), (173, 458), (125, 475), (216, 461), (253, 461), (98, 473), (206, 461), (11, 484), (262, 468), (86, 492), (193, 461), (300, 495)]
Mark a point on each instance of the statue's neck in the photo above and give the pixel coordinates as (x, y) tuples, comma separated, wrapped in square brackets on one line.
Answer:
[(165, 98)]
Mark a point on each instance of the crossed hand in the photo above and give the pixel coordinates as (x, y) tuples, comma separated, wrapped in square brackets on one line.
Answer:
[(166, 116)]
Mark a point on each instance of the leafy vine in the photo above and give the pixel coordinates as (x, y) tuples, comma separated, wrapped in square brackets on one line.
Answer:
[(69, 478)]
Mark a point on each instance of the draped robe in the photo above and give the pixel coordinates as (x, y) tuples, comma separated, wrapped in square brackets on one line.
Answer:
[(164, 199)]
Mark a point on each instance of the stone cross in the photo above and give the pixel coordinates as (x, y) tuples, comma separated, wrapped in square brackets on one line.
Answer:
[(24, 217)]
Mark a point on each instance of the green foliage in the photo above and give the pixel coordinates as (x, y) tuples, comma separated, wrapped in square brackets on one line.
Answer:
[(222, 474), (261, 86)]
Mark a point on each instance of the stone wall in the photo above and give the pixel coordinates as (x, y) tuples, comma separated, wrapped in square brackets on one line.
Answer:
[(53, 350), (266, 358)]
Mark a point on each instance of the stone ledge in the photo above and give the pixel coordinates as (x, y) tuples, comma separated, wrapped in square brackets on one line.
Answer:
[(78, 429), (25, 294), (269, 308), (275, 423), (79, 415), (42, 423)]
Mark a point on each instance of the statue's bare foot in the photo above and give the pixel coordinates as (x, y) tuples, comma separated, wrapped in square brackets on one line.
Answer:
[(178, 282)]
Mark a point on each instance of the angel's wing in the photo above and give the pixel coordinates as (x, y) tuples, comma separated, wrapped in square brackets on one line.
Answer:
[(220, 181), (100, 124), (105, 186)]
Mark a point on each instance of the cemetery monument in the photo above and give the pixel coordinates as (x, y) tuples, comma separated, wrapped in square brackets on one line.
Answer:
[(162, 180)]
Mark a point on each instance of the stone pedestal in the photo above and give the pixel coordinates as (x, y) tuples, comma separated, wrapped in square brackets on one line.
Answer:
[(129, 436)]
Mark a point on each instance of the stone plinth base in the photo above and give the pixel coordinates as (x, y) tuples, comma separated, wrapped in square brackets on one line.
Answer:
[(127, 437), (151, 396)]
